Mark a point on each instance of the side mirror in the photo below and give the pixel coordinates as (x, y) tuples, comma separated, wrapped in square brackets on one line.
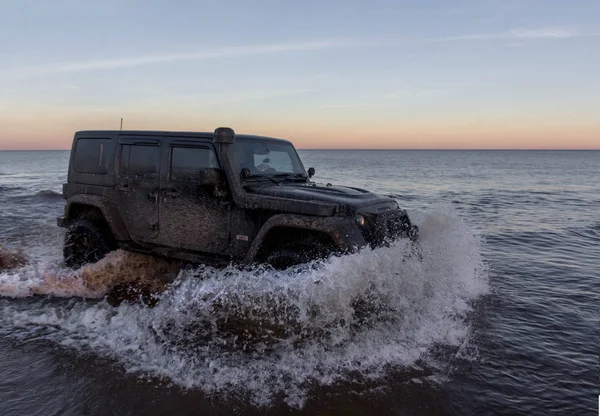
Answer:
[(311, 172), (245, 173), (214, 182), (212, 177)]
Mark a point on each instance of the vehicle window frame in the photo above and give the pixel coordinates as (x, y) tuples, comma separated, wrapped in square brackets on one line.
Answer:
[(206, 146), (153, 176), (105, 156)]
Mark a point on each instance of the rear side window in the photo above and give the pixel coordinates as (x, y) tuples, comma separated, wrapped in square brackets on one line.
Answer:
[(140, 161), (189, 163), (92, 156)]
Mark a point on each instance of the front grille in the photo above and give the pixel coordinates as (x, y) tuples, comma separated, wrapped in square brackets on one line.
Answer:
[(374, 230), (381, 229)]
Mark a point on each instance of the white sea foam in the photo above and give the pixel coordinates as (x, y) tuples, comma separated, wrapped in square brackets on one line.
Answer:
[(277, 334)]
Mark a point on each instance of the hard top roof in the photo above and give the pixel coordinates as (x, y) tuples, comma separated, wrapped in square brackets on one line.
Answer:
[(165, 133)]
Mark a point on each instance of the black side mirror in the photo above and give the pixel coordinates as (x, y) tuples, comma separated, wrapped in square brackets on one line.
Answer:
[(211, 177), (311, 172), (245, 173), (214, 182)]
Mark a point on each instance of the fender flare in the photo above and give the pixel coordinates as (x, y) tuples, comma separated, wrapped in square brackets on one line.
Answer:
[(109, 211), (339, 229)]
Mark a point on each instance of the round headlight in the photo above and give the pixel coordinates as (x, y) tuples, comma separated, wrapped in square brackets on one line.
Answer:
[(360, 220)]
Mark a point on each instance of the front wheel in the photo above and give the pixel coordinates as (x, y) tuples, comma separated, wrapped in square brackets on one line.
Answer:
[(85, 242), (295, 254)]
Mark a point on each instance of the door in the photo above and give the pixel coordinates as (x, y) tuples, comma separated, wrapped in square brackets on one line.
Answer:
[(138, 184), (191, 215)]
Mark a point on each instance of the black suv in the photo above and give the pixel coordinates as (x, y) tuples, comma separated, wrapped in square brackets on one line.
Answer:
[(213, 198)]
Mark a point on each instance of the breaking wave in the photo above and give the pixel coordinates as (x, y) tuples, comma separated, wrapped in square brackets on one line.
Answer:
[(45, 195), (270, 335), (49, 193)]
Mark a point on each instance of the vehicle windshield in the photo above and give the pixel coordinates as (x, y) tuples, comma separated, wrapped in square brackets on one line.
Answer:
[(266, 157)]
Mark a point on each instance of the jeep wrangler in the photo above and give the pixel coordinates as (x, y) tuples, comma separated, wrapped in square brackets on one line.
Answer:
[(213, 198)]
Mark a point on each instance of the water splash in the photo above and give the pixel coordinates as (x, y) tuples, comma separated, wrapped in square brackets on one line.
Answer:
[(347, 318), (91, 281), (11, 259)]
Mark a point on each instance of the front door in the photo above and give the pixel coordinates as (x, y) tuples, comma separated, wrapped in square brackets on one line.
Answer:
[(191, 216), (137, 185)]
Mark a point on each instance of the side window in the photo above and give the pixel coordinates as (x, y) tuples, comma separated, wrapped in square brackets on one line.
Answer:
[(92, 156), (140, 161), (188, 163)]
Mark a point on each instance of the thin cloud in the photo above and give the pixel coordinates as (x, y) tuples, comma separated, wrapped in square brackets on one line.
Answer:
[(546, 33), (225, 52), (267, 49)]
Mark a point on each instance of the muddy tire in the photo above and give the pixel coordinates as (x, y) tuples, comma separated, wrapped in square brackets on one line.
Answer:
[(297, 253), (86, 242)]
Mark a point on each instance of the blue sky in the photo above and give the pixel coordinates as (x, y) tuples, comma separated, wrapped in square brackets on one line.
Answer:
[(513, 73)]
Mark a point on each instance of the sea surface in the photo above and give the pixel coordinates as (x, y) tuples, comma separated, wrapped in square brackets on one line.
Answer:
[(500, 316)]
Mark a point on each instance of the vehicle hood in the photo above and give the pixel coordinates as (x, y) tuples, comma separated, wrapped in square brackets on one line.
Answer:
[(347, 199)]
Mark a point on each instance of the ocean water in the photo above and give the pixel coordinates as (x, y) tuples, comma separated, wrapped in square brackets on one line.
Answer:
[(499, 317)]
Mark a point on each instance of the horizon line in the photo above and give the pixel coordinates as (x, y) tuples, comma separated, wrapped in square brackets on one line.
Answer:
[(375, 148)]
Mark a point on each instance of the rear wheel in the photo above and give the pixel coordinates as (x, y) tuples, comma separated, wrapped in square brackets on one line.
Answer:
[(86, 242)]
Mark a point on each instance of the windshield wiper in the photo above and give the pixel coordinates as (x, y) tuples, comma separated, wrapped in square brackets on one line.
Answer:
[(291, 176), (256, 176)]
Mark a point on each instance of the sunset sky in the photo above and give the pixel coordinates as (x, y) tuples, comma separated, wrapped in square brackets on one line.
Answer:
[(325, 74)]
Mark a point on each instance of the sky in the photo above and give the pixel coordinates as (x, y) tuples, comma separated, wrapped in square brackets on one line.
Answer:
[(519, 74)]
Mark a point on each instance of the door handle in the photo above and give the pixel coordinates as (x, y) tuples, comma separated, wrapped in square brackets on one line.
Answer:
[(123, 188)]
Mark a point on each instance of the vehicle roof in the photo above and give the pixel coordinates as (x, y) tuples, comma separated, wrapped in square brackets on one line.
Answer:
[(190, 134)]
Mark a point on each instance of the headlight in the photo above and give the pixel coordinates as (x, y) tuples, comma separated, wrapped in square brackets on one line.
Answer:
[(360, 220)]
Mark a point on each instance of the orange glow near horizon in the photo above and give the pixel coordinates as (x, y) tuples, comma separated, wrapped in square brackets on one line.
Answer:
[(52, 132)]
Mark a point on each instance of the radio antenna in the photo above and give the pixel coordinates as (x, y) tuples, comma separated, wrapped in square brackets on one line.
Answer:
[(121, 123)]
